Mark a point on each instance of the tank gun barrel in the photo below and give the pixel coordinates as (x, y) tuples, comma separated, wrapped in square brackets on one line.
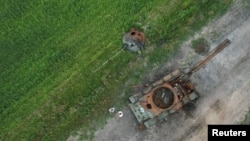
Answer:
[(211, 54)]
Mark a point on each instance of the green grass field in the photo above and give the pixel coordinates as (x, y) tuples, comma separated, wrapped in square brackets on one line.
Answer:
[(49, 50)]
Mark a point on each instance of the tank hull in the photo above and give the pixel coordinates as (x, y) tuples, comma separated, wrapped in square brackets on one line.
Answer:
[(162, 98)]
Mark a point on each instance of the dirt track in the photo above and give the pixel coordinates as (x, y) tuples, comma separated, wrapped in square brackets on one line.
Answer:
[(223, 85)]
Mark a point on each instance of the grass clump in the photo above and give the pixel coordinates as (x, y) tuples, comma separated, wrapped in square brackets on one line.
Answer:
[(197, 42), (246, 118)]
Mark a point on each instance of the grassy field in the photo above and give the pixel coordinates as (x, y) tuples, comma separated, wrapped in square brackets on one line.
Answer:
[(49, 50)]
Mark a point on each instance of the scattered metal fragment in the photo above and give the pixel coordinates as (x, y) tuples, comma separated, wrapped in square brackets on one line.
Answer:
[(112, 110), (120, 114)]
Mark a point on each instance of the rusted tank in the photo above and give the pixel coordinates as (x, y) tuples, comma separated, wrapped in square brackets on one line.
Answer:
[(168, 94), (133, 41)]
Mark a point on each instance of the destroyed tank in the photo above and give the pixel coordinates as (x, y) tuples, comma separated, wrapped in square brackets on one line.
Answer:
[(133, 41), (168, 94)]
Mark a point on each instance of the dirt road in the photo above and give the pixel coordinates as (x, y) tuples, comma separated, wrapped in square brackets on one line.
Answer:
[(223, 85)]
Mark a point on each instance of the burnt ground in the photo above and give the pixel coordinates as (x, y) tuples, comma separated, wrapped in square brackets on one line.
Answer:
[(223, 85)]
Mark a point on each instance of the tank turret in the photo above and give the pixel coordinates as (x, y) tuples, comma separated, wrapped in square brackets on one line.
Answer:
[(134, 40)]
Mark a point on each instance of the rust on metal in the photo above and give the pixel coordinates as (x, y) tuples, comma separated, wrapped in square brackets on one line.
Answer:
[(167, 96)]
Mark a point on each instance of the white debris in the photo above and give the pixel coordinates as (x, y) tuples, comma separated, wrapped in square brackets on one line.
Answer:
[(120, 114), (112, 109)]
